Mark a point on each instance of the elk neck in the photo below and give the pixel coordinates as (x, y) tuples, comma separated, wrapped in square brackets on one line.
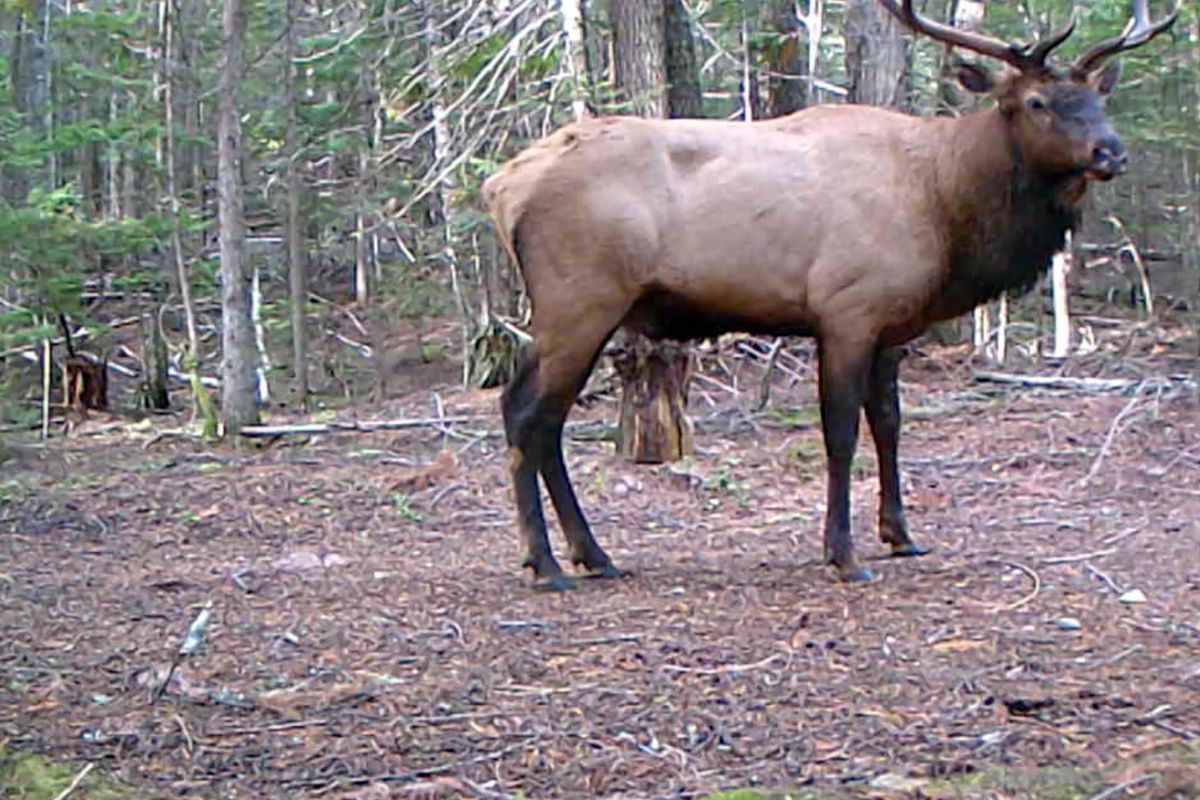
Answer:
[(1005, 219)]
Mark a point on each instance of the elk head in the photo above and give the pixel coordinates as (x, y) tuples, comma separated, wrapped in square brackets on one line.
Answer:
[(1055, 115)]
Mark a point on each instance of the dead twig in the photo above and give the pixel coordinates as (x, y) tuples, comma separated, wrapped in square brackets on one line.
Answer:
[(728, 667), (1113, 429), (616, 639), (1125, 534), (1033, 576), (74, 784), (1106, 662), (1120, 788), (764, 388), (282, 726), (1080, 557), (1091, 570)]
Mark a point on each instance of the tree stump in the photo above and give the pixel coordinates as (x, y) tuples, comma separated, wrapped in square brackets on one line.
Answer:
[(654, 425), (154, 364), (85, 384)]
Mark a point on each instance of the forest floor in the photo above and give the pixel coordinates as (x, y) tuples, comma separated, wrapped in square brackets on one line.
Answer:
[(372, 634)]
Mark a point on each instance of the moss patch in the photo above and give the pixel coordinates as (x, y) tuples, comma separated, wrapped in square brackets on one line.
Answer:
[(32, 777), (1166, 777)]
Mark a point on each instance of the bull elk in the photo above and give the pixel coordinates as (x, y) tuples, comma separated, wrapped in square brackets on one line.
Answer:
[(855, 225)]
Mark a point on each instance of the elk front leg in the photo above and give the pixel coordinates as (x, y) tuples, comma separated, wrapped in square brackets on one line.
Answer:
[(844, 369), (883, 415)]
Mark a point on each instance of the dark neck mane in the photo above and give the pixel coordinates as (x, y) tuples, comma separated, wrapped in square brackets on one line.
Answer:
[(1007, 219)]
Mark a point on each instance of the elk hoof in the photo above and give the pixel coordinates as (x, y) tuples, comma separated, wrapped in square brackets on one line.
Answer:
[(855, 574), (909, 550), (555, 583), (607, 572)]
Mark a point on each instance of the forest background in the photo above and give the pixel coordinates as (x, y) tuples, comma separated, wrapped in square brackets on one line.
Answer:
[(242, 208)]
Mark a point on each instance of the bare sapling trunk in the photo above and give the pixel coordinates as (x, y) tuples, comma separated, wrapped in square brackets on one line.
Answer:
[(183, 277), (297, 269)]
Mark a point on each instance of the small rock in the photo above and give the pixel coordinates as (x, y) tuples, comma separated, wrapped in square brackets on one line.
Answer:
[(1133, 596), (890, 781), (1066, 624)]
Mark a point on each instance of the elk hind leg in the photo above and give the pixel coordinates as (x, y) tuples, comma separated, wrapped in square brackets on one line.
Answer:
[(882, 408), (522, 425), (563, 378)]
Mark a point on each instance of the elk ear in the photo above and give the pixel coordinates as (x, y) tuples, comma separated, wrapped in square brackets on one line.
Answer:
[(1105, 79), (975, 78)]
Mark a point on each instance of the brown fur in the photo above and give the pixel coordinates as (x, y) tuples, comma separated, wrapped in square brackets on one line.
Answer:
[(858, 225)]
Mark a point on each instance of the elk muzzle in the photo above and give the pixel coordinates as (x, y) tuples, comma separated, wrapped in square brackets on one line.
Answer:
[(1108, 158)]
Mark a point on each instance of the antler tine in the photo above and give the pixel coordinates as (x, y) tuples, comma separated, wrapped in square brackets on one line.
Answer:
[(984, 45), (1023, 57), (1039, 51), (1138, 31)]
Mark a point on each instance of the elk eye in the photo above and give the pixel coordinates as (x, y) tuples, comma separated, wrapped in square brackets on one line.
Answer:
[(1036, 104)]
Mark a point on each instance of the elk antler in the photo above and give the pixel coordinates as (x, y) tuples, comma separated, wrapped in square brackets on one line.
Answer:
[(1023, 57), (1137, 32)]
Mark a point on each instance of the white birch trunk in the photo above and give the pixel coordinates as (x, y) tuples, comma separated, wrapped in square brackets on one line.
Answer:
[(982, 326), (1060, 266), (576, 56), (1002, 329), (260, 340)]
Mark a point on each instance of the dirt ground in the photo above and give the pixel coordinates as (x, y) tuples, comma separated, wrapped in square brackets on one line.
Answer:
[(372, 634)]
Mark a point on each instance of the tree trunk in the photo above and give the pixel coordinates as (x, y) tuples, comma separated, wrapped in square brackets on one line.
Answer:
[(877, 56), (639, 55), (183, 280), (297, 269), (237, 333), (787, 89), (654, 427), (29, 74), (684, 98)]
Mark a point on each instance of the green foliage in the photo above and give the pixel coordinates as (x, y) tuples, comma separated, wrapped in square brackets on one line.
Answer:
[(34, 777)]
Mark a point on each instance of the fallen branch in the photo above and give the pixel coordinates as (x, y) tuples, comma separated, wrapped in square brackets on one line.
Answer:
[(1080, 384), (354, 426), (79, 333)]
